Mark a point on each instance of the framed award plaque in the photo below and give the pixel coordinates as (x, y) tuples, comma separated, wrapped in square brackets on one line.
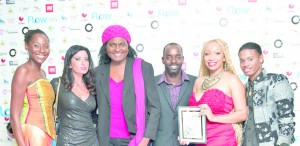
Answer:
[(192, 126)]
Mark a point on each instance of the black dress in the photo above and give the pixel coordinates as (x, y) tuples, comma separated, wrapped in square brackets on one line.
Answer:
[(76, 126)]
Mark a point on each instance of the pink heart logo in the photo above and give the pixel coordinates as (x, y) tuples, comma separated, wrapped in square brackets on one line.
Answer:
[(195, 53), (150, 12), (265, 51), (219, 9), (6, 118), (62, 57), (83, 15), (21, 18), (291, 6), (2, 60), (288, 73)]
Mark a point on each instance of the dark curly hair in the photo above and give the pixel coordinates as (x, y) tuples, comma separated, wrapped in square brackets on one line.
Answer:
[(104, 58), (88, 78)]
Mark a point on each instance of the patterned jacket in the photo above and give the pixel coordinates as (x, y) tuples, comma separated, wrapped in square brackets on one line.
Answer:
[(273, 105)]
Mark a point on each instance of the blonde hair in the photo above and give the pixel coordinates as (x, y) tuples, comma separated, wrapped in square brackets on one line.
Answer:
[(228, 66)]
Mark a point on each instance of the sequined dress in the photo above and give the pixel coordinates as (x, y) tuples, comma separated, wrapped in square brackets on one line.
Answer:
[(36, 117), (76, 126), (218, 134)]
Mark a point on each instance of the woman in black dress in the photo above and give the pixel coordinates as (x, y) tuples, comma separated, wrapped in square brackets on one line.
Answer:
[(76, 99)]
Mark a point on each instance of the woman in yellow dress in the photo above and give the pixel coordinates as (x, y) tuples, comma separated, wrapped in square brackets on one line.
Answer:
[(32, 95)]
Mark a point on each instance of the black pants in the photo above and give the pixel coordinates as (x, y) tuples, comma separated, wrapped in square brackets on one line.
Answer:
[(119, 141)]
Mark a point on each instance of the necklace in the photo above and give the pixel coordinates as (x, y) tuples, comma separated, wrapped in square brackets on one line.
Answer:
[(210, 81)]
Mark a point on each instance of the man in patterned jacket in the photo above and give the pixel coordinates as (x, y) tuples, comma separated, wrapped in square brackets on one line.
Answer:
[(270, 100)]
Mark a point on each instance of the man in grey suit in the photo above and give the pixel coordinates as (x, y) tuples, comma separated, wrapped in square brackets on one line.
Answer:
[(174, 88)]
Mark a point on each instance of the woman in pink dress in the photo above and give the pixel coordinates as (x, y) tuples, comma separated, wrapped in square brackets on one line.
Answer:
[(220, 95)]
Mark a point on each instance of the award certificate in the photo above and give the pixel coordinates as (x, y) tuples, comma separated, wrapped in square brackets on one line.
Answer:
[(192, 126)]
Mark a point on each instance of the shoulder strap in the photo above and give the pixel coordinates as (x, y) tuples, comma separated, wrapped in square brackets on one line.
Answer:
[(56, 98)]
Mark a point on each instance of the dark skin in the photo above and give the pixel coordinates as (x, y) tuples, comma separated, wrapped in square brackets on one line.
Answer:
[(26, 74), (173, 60)]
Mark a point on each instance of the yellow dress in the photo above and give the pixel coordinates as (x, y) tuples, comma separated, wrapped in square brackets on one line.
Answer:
[(37, 117)]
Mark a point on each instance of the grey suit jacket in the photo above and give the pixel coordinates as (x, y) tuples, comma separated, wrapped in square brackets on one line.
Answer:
[(128, 101), (167, 134)]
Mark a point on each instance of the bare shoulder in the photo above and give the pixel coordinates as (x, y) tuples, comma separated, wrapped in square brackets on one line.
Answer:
[(198, 83), (199, 80), (22, 70), (21, 76), (231, 77)]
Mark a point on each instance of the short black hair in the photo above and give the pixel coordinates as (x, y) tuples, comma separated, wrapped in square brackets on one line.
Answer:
[(28, 36), (251, 45), (172, 44)]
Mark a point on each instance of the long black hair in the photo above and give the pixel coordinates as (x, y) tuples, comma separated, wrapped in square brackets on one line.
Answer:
[(104, 58), (88, 78)]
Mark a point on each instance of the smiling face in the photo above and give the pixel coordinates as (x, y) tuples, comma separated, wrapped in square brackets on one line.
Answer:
[(251, 62), (80, 63), (38, 48), (214, 57), (117, 50), (173, 60)]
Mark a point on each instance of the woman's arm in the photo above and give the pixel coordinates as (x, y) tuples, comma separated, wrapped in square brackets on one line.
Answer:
[(18, 88), (238, 95)]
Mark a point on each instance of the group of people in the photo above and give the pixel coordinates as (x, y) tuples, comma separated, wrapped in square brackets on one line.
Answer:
[(135, 108)]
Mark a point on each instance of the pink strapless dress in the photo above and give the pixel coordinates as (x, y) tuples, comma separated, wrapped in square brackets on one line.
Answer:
[(218, 134)]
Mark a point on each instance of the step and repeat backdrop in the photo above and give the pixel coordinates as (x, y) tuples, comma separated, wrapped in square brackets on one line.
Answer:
[(274, 24)]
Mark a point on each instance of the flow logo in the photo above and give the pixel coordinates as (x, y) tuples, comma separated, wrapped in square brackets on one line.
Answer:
[(237, 10), (99, 16), (32, 19), (168, 13)]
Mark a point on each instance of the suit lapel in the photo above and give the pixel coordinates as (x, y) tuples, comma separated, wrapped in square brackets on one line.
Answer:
[(166, 92), (182, 90), (128, 77), (104, 79)]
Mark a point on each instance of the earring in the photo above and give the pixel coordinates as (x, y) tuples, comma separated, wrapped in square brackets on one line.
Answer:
[(225, 66)]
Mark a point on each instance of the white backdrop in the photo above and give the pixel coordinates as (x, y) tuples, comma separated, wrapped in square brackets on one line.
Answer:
[(274, 24)]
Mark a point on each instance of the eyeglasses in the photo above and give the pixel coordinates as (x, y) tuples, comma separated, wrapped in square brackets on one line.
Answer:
[(121, 45)]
